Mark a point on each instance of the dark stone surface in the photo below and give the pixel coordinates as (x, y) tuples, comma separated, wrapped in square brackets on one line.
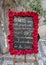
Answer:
[(23, 28)]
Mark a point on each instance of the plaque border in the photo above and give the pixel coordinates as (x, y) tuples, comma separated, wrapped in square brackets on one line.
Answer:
[(11, 15)]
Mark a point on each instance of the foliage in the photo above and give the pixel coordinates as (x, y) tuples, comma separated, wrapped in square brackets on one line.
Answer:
[(35, 5), (8, 5)]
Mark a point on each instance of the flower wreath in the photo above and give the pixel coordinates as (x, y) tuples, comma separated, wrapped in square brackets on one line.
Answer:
[(34, 16)]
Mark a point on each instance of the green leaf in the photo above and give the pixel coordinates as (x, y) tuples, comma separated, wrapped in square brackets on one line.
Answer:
[(45, 12), (8, 4), (13, 1), (45, 20), (28, 0), (19, 1)]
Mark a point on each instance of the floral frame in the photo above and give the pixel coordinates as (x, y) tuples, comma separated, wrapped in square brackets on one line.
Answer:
[(34, 15)]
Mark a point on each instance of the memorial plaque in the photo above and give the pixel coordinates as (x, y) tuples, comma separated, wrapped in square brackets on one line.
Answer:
[(23, 28), (23, 37)]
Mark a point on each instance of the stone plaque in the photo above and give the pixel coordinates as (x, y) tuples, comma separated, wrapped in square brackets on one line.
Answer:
[(23, 28)]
